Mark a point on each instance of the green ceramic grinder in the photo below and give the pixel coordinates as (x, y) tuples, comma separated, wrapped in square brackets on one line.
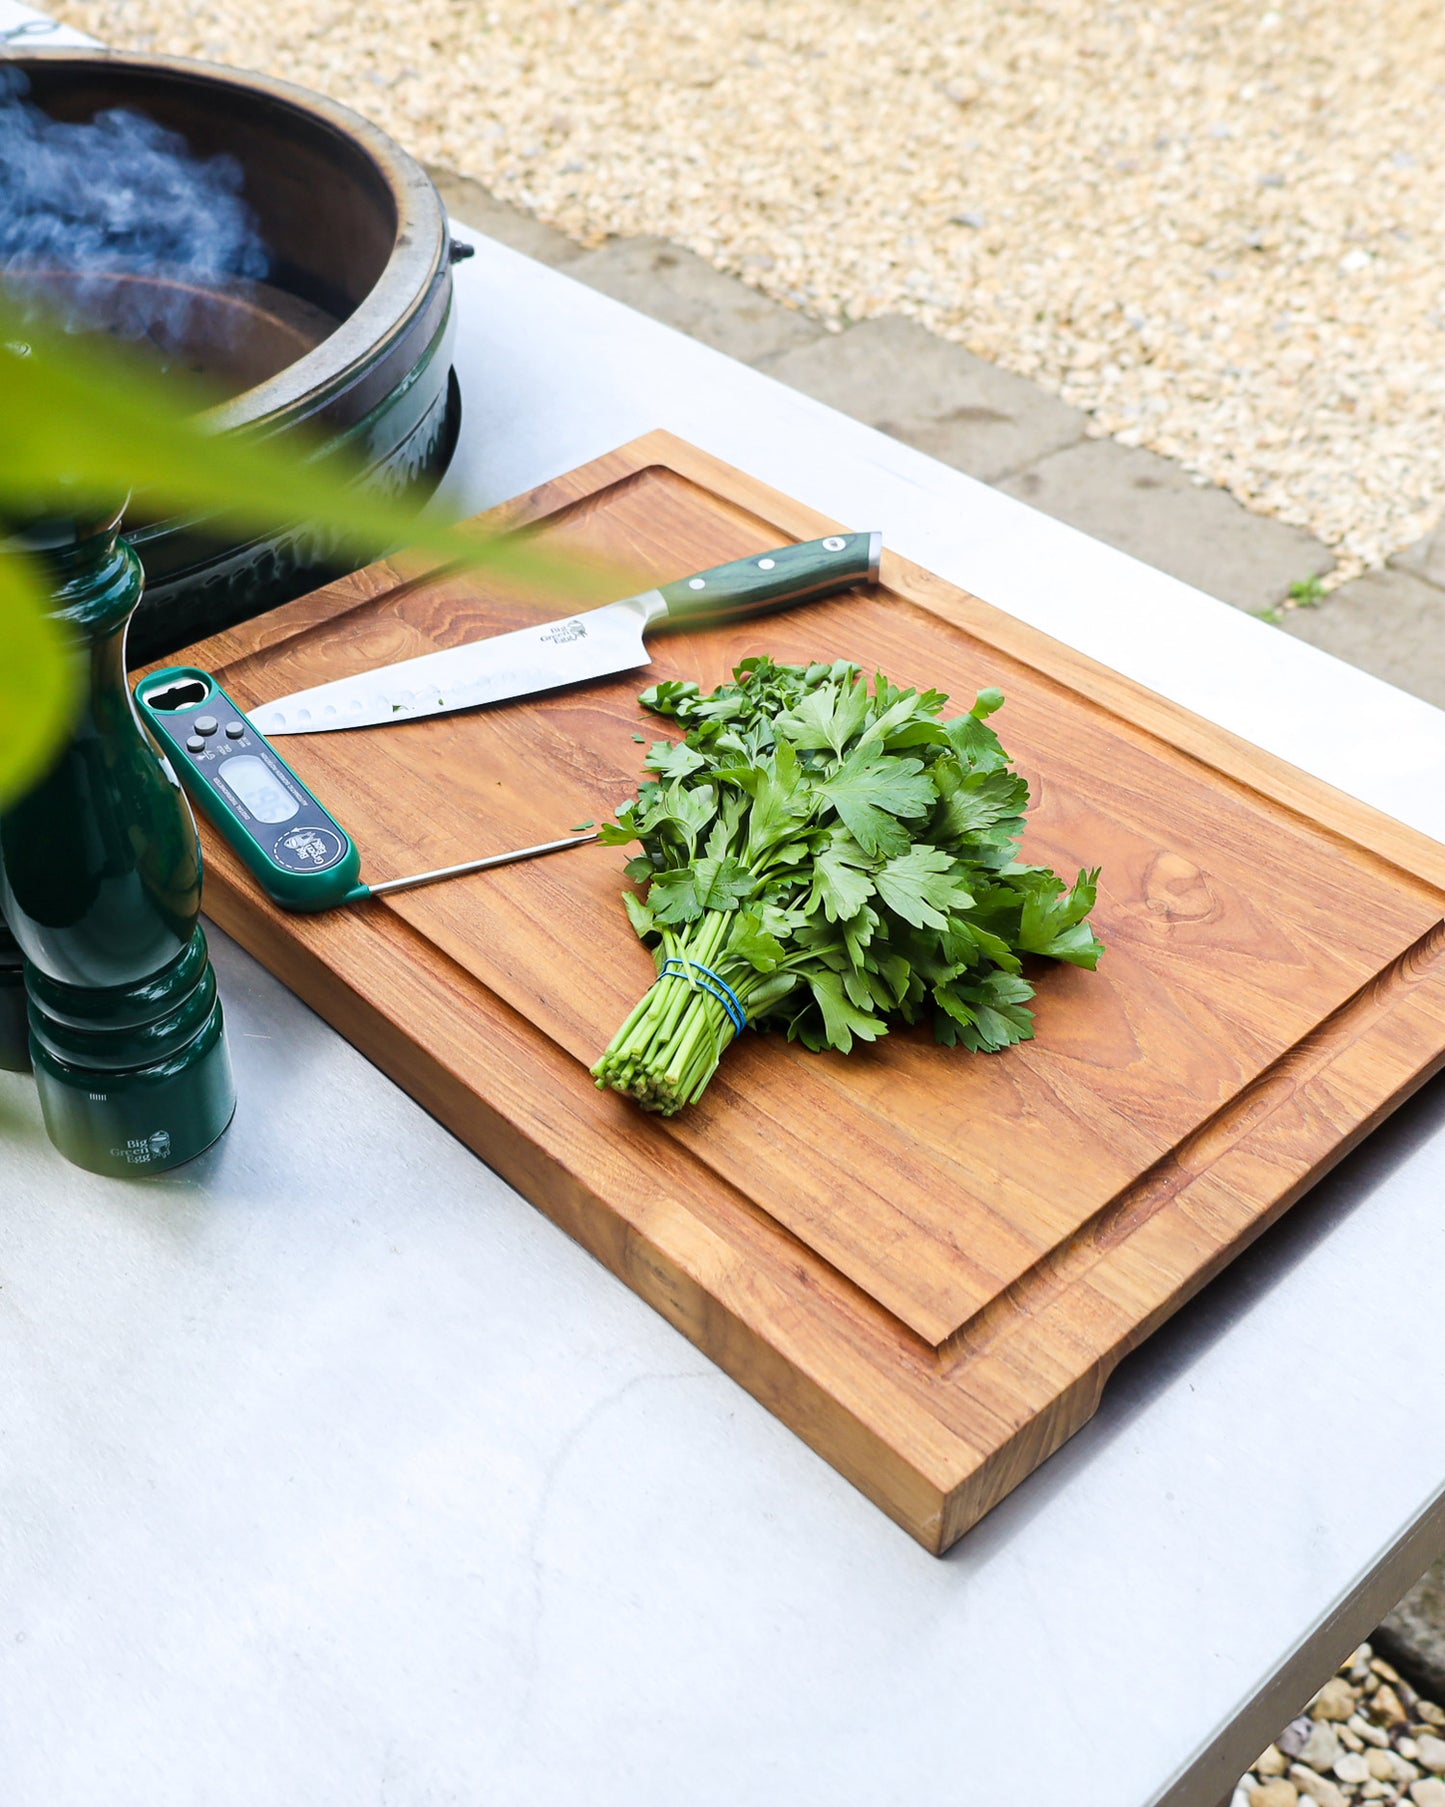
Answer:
[(14, 1030), (100, 885)]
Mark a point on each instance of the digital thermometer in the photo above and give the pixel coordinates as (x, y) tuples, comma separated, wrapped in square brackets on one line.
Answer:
[(301, 855)]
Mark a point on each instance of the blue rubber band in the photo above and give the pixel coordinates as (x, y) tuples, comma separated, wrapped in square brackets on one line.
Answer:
[(709, 982)]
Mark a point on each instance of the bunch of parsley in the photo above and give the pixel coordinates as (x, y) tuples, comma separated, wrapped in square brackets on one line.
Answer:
[(838, 857)]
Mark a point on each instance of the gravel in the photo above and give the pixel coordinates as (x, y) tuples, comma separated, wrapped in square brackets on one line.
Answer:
[(1218, 226), (1366, 1736)]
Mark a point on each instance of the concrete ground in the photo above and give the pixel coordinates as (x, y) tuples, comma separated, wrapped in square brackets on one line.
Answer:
[(1006, 430)]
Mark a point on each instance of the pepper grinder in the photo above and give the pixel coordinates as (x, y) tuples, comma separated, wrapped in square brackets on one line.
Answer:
[(14, 1031), (100, 884)]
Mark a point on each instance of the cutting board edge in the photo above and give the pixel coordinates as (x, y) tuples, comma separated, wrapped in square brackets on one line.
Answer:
[(914, 1460), (941, 1486), (1374, 1027), (903, 1449), (1214, 1214)]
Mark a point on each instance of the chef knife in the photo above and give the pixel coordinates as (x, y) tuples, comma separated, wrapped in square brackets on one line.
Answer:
[(589, 645)]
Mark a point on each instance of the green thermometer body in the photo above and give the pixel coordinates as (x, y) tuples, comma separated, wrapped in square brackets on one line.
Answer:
[(301, 855)]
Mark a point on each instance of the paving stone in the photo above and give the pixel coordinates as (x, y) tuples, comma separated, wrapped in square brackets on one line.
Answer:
[(899, 377), (1148, 506), (1390, 623), (1413, 1637), (936, 396), (678, 288), (472, 205), (1426, 558)]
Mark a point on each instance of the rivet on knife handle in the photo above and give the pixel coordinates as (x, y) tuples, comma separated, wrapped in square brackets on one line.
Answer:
[(751, 586)]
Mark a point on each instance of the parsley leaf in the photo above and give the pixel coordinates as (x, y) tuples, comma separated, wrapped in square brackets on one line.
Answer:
[(682, 894), (1052, 919), (827, 717), (922, 887), (674, 758), (839, 887), (842, 1019), (869, 793)]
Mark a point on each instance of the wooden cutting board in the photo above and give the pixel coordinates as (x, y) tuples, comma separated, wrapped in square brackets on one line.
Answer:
[(926, 1262)]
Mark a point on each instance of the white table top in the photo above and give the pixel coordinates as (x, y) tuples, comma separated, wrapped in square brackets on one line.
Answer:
[(336, 1474), (23, 28)]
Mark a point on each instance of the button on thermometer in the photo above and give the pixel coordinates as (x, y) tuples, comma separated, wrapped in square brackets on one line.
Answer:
[(301, 855)]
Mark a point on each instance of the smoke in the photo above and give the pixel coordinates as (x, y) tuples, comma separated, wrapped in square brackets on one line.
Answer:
[(109, 201)]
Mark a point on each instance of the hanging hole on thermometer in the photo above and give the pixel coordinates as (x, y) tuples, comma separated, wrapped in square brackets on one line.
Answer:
[(184, 695)]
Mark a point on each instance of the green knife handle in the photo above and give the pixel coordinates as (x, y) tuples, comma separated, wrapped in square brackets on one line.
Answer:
[(772, 580)]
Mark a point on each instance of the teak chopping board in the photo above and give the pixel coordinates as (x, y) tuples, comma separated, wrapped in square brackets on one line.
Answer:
[(926, 1262)]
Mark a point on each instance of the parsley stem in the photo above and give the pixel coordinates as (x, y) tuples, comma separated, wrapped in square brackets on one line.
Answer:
[(669, 1047)]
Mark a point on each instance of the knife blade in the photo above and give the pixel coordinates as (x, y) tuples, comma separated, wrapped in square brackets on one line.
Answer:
[(589, 645)]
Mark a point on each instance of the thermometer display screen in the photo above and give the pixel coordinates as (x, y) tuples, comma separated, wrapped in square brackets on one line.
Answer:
[(252, 782)]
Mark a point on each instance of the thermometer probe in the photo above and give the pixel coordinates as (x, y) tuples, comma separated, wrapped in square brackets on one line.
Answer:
[(300, 854)]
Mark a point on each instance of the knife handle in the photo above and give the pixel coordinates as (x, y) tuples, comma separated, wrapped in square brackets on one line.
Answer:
[(772, 580)]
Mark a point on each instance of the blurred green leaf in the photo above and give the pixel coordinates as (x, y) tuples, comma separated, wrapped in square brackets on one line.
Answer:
[(82, 414), (37, 680), (86, 423)]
